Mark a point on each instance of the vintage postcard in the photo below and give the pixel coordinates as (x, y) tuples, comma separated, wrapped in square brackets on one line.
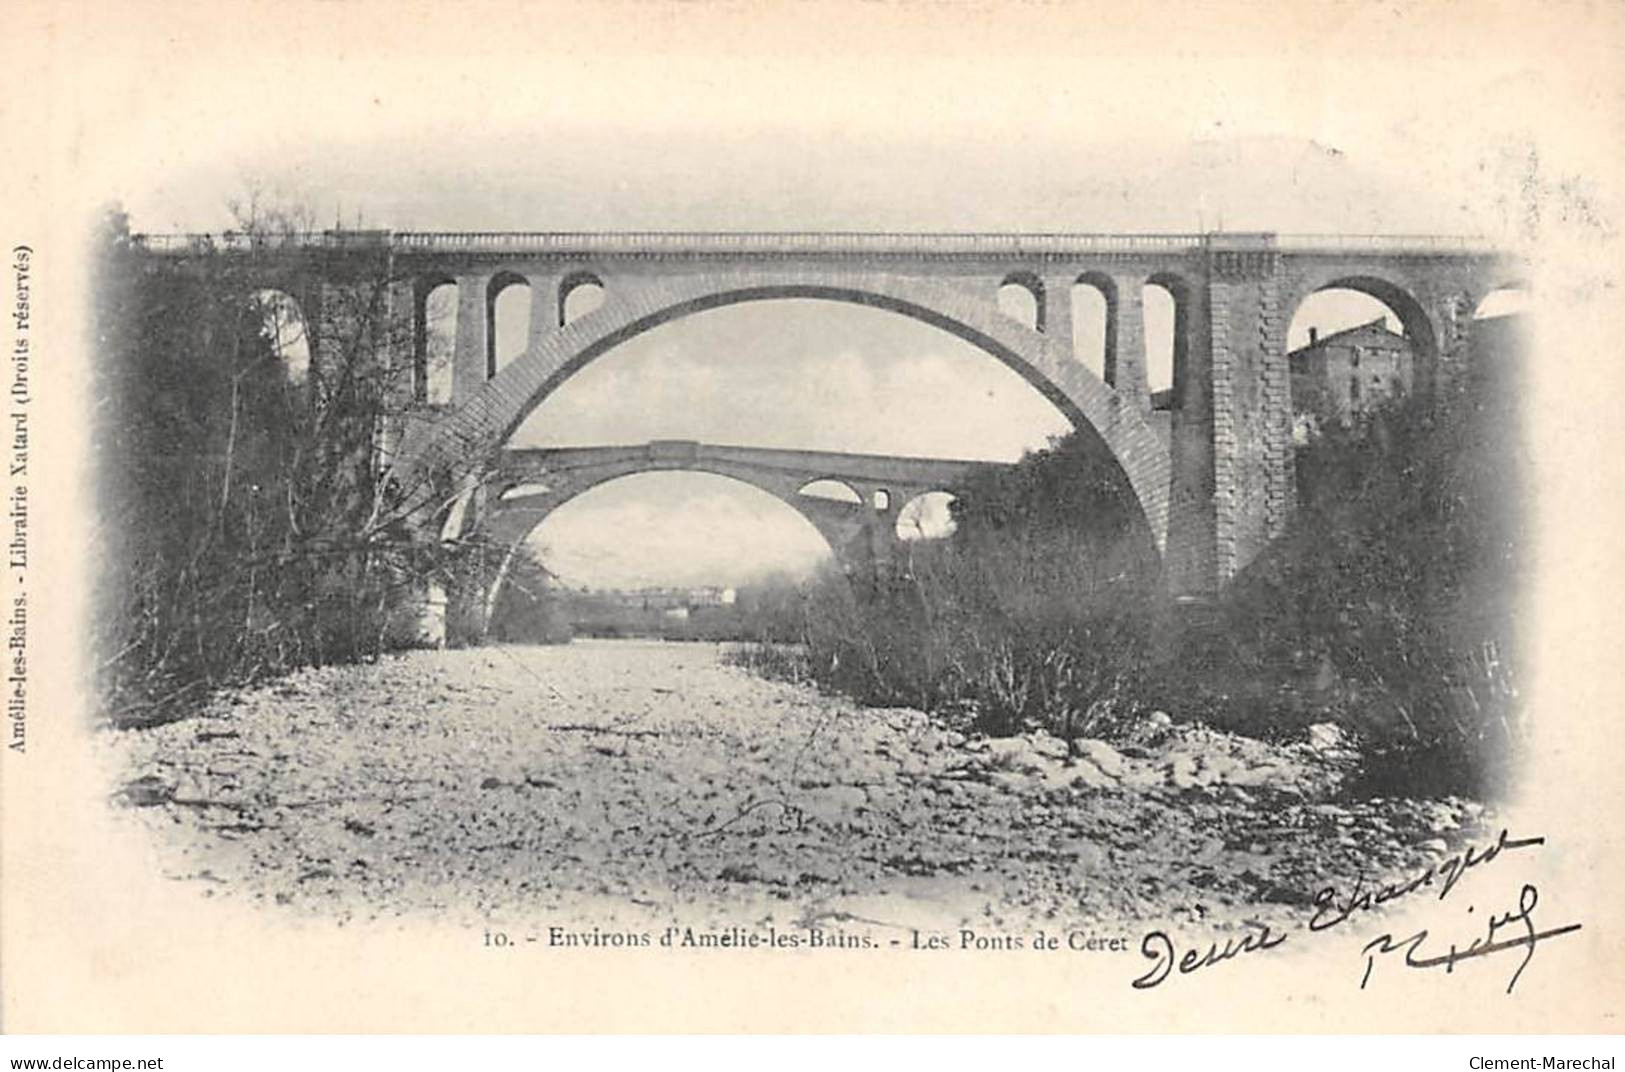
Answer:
[(762, 517)]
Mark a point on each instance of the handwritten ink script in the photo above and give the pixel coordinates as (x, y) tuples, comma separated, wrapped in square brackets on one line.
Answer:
[(1483, 945), (1503, 931)]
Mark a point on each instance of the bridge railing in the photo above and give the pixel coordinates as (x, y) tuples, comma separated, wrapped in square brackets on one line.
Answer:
[(1375, 243), (239, 242), (678, 243)]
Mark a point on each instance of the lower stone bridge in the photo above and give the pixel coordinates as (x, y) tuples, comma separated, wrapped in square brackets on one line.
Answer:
[(853, 500)]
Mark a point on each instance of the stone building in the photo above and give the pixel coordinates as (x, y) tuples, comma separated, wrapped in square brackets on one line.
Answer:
[(1346, 375)]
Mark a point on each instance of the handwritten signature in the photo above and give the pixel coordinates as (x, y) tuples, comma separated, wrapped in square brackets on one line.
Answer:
[(1481, 946), (1157, 946), (1333, 907)]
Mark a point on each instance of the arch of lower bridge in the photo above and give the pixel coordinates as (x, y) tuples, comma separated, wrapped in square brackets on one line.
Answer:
[(850, 529), (1111, 423)]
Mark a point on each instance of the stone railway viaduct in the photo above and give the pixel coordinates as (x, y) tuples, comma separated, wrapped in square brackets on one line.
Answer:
[(1209, 462)]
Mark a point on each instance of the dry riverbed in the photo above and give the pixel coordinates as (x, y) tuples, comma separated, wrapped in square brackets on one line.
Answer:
[(623, 782)]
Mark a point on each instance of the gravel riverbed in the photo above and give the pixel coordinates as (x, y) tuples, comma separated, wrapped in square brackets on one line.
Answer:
[(624, 782)]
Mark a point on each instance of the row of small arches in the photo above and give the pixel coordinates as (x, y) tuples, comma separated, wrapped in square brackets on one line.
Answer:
[(1164, 321), (1095, 304), (510, 308), (926, 516)]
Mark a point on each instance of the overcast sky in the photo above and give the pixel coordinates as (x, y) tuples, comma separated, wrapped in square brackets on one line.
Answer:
[(908, 117)]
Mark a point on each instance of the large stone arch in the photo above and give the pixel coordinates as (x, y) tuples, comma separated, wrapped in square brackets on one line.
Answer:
[(1396, 293), (634, 304), (1427, 308), (509, 522)]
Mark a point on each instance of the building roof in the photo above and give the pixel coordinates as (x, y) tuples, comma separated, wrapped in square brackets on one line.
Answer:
[(1376, 328)]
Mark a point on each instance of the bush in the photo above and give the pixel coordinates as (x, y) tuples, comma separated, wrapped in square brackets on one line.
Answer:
[(1388, 605), (244, 529), (1035, 614)]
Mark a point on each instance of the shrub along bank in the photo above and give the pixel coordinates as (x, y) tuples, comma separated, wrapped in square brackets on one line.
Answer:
[(1386, 609), (1037, 613), (244, 526)]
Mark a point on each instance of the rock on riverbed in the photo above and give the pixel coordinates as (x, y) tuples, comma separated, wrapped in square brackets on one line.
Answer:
[(628, 781)]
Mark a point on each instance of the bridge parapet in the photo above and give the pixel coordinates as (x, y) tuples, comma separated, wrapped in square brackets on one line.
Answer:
[(778, 244), (775, 467)]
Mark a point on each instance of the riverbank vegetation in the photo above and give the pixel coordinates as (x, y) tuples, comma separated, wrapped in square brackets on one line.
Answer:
[(1037, 613), (1389, 606), (1387, 609), (244, 525)]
